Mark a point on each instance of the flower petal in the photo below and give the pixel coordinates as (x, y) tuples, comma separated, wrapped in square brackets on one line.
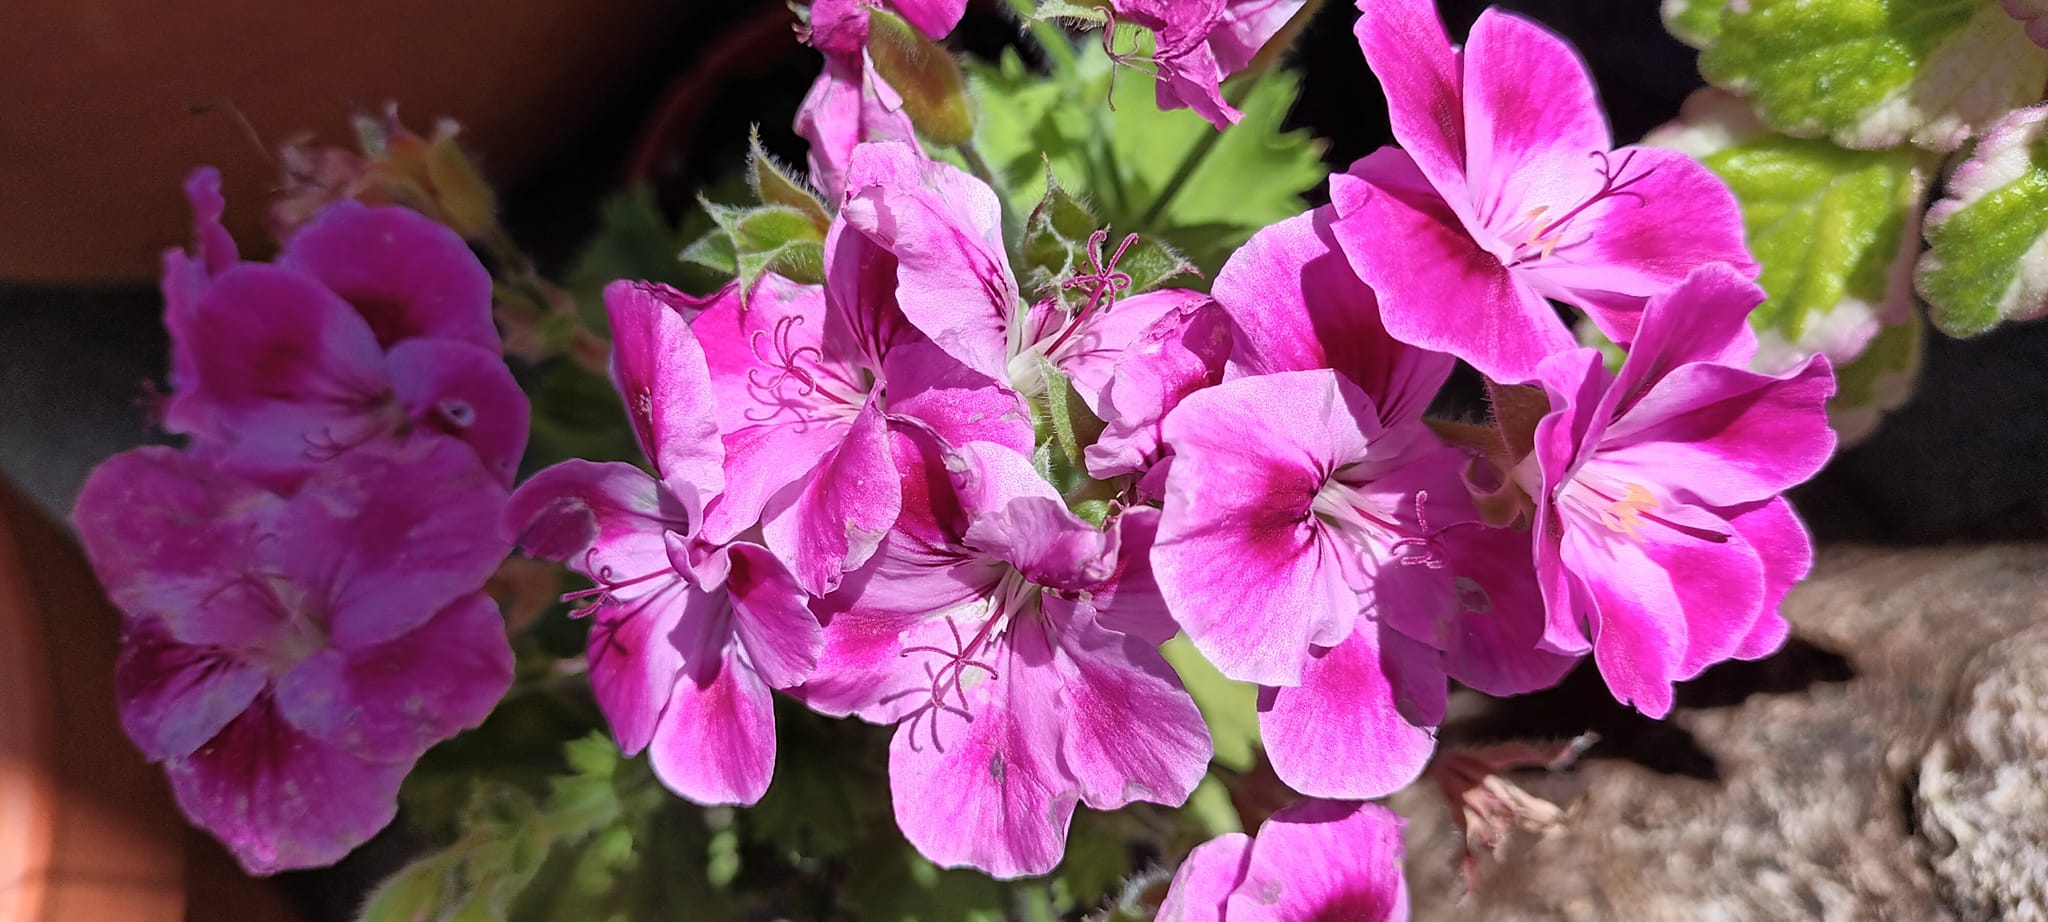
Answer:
[(716, 740), (280, 799), (1726, 435), (1179, 354), (1632, 249), (660, 372), (1297, 304), (1130, 603), (1774, 530), (1132, 732), (1249, 458), (849, 104), (774, 625), (1341, 733), (1658, 594), (1017, 518), (1419, 72), (957, 403), (861, 668), (392, 701), (282, 368), (1246, 27), (831, 521), (1702, 319), (604, 518), (216, 250), (175, 696), (1356, 874), (1205, 879), (990, 793), (772, 361), (458, 390), (1576, 384), (1092, 355), (393, 537), (633, 663), (165, 531), (1532, 122), (1498, 324), (945, 229), (407, 275)]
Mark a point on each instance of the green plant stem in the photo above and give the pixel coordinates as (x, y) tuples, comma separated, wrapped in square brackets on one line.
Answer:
[(1058, 50), (1235, 95)]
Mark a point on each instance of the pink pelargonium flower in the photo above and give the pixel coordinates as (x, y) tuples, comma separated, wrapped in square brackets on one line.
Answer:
[(1017, 646), (1319, 540), (1199, 42), (1662, 541), (1506, 192), (688, 634), (1179, 354), (1316, 861), (374, 323), (287, 660), (943, 229), (808, 383)]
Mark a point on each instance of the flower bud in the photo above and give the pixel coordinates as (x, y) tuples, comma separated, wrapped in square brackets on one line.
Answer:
[(925, 75)]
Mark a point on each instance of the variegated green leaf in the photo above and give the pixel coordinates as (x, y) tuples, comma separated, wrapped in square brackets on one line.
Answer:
[(1878, 381), (1987, 260), (1836, 230), (1694, 22), (1874, 73)]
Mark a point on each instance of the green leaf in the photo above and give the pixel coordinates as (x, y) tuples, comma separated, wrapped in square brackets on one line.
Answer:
[(774, 184), (1694, 22), (899, 885), (1230, 708), (1060, 245), (1250, 176), (416, 893), (769, 238), (576, 414), (713, 251), (1055, 241), (503, 845), (1151, 264), (633, 241), (826, 800), (1835, 229), (1075, 15), (1874, 73), (1987, 260)]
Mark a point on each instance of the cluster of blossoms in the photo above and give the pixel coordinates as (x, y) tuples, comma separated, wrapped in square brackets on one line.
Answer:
[(850, 500), (852, 495), (301, 582)]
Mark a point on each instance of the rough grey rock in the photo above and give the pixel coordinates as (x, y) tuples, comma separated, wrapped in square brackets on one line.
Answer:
[(1903, 779), (1983, 792)]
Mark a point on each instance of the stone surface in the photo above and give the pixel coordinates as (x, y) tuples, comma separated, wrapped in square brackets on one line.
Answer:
[(1888, 764)]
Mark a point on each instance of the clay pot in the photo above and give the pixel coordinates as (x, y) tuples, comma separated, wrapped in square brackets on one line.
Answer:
[(87, 829), (106, 104)]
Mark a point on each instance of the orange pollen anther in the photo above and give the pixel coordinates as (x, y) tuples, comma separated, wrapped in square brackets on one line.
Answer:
[(1626, 514)]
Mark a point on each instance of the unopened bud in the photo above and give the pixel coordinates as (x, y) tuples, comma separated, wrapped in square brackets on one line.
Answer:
[(925, 75)]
